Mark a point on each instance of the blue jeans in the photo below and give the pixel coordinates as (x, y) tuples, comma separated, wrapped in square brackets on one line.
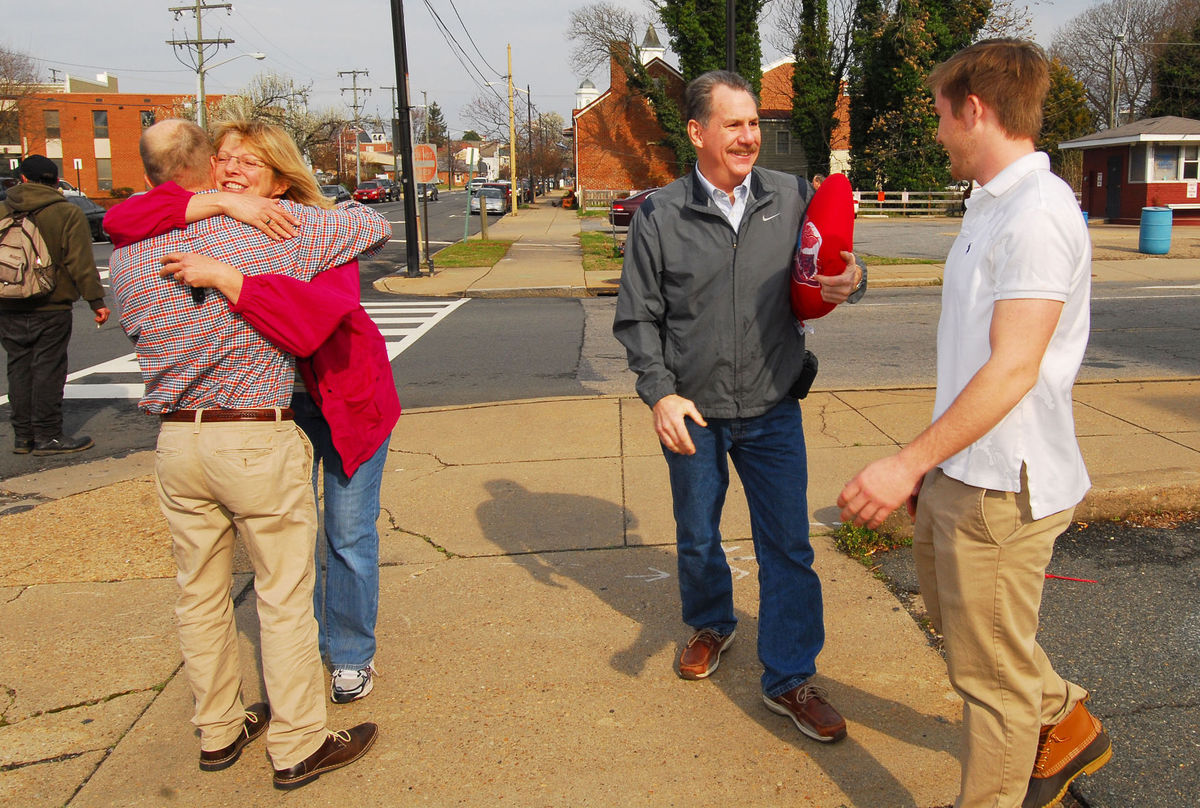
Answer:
[(346, 594), (768, 453)]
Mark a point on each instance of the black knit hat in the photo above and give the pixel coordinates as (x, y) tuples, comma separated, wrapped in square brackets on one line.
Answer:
[(37, 168)]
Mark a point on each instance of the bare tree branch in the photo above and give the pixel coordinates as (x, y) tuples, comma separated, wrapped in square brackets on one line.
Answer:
[(593, 28)]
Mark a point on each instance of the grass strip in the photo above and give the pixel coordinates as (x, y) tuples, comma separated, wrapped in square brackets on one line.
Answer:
[(599, 251), (472, 253)]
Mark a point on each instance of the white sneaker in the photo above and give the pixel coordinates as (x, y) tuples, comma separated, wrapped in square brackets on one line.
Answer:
[(351, 684)]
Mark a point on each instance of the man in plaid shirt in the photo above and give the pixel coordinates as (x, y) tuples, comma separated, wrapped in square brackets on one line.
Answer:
[(231, 459)]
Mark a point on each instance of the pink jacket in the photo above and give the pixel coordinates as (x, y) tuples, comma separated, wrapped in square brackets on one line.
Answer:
[(340, 353)]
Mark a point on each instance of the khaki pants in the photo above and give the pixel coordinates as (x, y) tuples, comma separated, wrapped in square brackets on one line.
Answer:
[(981, 561), (253, 478)]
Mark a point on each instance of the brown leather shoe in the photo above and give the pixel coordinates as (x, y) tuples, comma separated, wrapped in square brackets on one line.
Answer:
[(702, 654), (340, 749), (257, 718), (808, 706), (1074, 746)]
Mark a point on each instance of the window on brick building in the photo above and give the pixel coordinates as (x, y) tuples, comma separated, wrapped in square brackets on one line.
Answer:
[(783, 142), (99, 123), (50, 117), (147, 118), (104, 173)]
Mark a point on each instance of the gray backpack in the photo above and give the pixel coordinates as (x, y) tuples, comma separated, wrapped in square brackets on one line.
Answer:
[(27, 269)]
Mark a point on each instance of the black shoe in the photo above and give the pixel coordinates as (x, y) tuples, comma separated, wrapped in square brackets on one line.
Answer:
[(22, 445), (255, 724), (62, 445), (340, 749)]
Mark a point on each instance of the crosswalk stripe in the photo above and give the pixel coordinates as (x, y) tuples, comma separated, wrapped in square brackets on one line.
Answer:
[(406, 321)]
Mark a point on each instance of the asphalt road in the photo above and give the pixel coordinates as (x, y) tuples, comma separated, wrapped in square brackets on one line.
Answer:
[(1131, 636)]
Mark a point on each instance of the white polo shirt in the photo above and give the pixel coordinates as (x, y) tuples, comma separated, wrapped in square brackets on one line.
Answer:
[(1022, 237)]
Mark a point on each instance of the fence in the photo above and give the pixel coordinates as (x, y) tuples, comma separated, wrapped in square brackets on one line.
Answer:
[(601, 198), (909, 203)]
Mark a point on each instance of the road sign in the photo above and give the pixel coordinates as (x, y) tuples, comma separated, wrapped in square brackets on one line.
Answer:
[(424, 163)]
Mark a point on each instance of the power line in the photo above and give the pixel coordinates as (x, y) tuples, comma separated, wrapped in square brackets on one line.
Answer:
[(468, 33), (461, 54)]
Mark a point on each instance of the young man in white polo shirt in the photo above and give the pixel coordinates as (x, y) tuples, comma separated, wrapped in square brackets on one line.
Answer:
[(999, 471)]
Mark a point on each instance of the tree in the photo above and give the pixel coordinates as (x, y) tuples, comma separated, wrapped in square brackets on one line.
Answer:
[(893, 124), (471, 135), (592, 30), (438, 132), (18, 79), (1065, 116), (278, 100), (1176, 74), (816, 85), (697, 33), (1119, 31)]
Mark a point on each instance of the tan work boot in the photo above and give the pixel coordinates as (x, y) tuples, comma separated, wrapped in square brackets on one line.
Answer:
[(1074, 746)]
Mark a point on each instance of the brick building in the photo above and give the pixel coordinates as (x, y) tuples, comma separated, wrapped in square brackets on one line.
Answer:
[(1154, 162), (618, 142), (93, 126)]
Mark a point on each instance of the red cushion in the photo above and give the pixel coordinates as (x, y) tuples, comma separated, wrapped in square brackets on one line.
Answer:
[(827, 230)]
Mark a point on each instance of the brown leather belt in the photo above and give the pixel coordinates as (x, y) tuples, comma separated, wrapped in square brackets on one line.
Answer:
[(224, 416)]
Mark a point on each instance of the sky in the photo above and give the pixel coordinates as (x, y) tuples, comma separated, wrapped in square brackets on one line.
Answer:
[(310, 41)]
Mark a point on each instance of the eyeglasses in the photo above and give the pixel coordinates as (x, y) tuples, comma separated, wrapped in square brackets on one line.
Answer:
[(245, 161)]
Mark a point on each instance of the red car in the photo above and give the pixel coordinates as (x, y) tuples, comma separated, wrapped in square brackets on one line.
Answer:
[(620, 214), (371, 191)]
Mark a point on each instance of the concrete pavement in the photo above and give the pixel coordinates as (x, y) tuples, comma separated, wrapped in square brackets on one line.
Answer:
[(528, 615)]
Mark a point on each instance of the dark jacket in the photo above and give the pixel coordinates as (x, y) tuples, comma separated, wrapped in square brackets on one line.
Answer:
[(65, 229), (705, 312)]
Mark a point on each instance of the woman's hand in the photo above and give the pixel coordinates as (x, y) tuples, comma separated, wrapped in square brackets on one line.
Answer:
[(258, 211), (192, 269)]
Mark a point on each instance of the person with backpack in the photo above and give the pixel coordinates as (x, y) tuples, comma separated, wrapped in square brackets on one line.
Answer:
[(35, 318)]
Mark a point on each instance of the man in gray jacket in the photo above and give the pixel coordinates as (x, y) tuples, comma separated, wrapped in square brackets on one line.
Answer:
[(705, 316)]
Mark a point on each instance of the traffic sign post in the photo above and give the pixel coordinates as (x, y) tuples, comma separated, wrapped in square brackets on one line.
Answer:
[(425, 172)]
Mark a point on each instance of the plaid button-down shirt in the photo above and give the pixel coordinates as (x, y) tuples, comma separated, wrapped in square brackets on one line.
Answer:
[(202, 356)]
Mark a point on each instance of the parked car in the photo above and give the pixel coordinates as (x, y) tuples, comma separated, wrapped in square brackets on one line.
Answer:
[(620, 213), (337, 193), (371, 191), (394, 191), (493, 197), (428, 190), (68, 189), (474, 183), (94, 214), (505, 188)]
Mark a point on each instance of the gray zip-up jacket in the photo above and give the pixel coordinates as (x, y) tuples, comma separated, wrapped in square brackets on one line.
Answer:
[(705, 312)]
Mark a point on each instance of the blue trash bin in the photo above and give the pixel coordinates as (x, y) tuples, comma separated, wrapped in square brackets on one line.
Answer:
[(1154, 236)]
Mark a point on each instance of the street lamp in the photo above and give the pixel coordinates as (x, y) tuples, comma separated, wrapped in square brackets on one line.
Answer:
[(201, 69)]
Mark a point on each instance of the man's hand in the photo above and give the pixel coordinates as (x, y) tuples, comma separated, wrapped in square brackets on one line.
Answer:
[(669, 413), (836, 288), (879, 489), (101, 315), (192, 269), (257, 211)]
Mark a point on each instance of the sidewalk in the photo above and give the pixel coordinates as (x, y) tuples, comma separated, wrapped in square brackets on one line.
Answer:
[(529, 613)]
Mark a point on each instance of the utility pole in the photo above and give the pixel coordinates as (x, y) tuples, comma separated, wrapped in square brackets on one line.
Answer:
[(731, 35), (529, 115), (512, 140), (354, 88), (395, 135), (412, 246), (1112, 80), (203, 48)]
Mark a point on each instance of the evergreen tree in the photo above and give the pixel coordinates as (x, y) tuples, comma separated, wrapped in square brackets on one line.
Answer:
[(816, 84), (436, 130), (697, 33), (893, 123), (1176, 76), (1066, 116)]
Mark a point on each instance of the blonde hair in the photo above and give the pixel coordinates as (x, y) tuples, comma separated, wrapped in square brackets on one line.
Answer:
[(1011, 76), (276, 148)]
